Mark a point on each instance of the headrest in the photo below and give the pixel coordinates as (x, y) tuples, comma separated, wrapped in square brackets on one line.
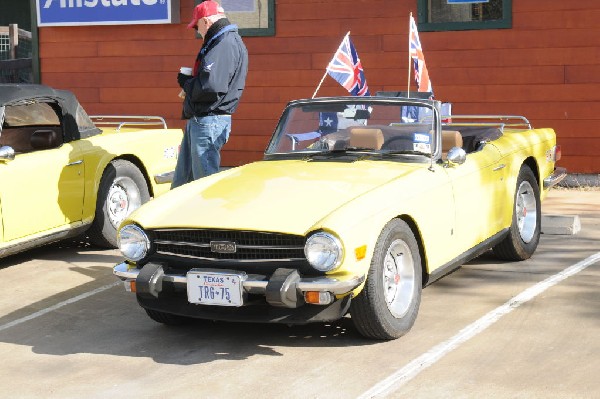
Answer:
[(44, 139), (366, 137), (451, 138)]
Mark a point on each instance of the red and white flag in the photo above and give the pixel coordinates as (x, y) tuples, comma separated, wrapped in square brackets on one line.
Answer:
[(416, 53), (345, 67)]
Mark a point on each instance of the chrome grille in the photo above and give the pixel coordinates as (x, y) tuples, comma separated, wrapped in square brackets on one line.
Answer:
[(250, 245)]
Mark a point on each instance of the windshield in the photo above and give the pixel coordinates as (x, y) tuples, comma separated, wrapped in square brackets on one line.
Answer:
[(366, 127)]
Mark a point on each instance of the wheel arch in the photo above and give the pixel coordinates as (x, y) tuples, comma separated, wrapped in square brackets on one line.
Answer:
[(140, 165), (533, 165), (101, 170), (412, 224)]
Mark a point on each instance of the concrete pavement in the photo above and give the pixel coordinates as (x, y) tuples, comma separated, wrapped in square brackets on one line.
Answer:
[(78, 335), (562, 208)]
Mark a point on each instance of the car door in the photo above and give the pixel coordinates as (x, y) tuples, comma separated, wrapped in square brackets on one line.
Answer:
[(40, 191), (42, 188), (478, 187)]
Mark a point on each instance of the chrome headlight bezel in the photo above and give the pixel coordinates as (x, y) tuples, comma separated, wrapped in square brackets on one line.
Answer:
[(324, 251), (133, 242)]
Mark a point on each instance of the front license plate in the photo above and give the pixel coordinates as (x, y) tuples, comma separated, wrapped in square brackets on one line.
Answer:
[(214, 288)]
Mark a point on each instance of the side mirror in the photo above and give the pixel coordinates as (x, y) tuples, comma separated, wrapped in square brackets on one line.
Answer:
[(456, 156), (7, 153)]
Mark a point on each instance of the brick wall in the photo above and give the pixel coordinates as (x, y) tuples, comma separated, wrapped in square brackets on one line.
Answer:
[(547, 67)]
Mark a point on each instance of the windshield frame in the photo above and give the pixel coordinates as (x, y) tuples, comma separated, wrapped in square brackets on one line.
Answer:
[(342, 102), (2, 108)]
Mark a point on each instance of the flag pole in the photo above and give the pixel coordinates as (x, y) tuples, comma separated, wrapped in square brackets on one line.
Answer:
[(325, 74), (320, 83), (409, 58)]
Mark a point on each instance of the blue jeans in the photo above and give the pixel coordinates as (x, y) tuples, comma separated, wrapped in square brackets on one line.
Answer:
[(199, 154)]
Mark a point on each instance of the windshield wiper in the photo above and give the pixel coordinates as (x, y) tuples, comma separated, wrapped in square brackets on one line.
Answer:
[(405, 152), (341, 152)]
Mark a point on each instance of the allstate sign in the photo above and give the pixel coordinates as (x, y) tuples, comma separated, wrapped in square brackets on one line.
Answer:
[(106, 12)]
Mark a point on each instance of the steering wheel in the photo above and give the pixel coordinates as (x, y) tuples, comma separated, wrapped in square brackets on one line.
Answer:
[(405, 141)]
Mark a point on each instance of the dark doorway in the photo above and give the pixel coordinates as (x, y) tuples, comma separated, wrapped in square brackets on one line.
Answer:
[(18, 42)]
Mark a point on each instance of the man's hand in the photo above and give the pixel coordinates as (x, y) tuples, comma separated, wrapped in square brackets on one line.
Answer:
[(181, 79)]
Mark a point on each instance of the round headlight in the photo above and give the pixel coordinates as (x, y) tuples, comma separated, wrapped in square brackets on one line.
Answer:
[(133, 242), (323, 251)]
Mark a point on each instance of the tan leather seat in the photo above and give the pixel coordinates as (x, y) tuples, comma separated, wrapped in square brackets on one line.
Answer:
[(365, 137), (450, 139)]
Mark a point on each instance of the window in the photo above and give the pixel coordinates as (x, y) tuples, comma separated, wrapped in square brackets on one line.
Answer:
[(253, 17), (31, 126), (441, 15), (31, 114), (85, 124)]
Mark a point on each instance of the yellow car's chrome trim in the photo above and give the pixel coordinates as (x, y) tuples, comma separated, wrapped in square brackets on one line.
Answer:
[(162, 178), (556, 177), (256, 283)]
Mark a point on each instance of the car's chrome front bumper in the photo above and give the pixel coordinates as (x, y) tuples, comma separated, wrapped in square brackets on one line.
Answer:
[(555, 178), (282, 282)]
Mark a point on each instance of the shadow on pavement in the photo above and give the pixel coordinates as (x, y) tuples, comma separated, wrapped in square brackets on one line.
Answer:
[(111, 323)]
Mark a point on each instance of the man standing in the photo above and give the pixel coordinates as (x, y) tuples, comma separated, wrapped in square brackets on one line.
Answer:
[(212, 93)]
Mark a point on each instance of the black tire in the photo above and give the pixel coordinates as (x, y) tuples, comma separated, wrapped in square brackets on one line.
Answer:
[(167, 318), (387, 309), (122, 190), (524, 233)]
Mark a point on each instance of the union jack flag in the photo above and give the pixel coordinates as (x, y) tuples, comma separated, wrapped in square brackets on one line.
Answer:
[(345, 67), (416, 53)]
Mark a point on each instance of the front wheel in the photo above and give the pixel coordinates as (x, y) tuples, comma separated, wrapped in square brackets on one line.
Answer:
[(122, 190), (167, 318), (387, 306), (524, 232)]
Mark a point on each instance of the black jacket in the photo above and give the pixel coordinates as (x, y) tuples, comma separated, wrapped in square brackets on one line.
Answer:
[(218, 82)]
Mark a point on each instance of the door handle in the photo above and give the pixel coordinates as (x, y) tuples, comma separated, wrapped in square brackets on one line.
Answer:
[(499, 167), (75, 163)]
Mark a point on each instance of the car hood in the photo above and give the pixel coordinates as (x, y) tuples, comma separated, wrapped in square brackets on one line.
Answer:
[(276, 196)]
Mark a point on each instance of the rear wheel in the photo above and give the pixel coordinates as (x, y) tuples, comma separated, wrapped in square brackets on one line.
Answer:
[(388, 305), (524, 233), (122, 190)]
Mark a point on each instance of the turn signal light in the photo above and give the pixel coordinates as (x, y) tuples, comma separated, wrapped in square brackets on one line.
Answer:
[(360, 252), (318, 298), (130, 286)]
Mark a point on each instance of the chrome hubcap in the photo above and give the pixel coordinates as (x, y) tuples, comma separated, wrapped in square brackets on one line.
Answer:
[(526, 210), (398, 278), (123, 198)]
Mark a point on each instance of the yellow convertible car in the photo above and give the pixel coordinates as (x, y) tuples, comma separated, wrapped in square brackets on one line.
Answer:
[(63, 173), (358, 203)]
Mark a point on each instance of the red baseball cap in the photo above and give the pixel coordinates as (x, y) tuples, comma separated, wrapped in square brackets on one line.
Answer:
[(205, 9)]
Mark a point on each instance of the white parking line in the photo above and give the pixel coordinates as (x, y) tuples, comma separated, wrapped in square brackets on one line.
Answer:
[(412, 369), (57, 306)]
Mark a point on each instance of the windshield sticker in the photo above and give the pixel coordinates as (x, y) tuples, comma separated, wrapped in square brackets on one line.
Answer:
[(421, 138), (422, 142)]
